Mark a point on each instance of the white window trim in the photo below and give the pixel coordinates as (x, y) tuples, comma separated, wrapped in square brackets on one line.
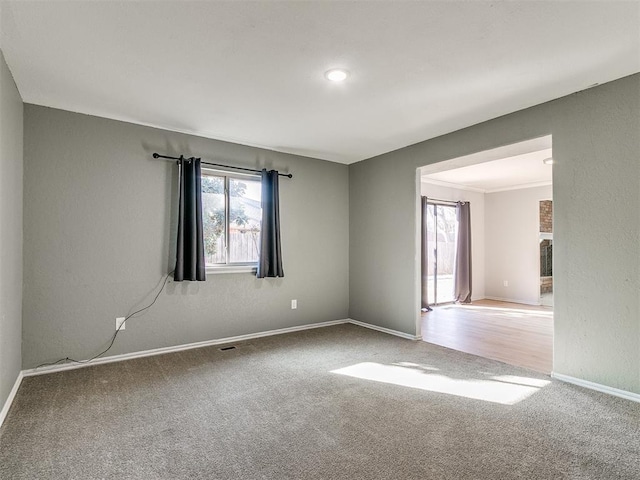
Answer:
[(228, 173), (218, 269)]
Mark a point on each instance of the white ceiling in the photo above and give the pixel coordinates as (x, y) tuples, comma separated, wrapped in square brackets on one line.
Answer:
[(252, 72), (520, 171)]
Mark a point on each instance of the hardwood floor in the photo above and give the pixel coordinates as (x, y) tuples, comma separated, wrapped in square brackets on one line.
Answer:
[(517, 334)]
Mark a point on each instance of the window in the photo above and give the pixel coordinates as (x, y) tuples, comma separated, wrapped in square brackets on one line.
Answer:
[(442, 236), (231, 217)]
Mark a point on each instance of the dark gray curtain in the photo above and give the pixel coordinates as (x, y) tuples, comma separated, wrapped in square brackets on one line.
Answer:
[(462, 275), (190, 244), (270, 263), (424, 257)]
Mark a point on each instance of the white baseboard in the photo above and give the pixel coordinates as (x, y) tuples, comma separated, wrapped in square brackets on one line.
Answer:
[(634, 397), (177, 348), (219, 341), (514, 300), (408, 336), (12, 394)]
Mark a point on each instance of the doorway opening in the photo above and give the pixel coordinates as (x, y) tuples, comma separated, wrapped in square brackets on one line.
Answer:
[(510, 316)]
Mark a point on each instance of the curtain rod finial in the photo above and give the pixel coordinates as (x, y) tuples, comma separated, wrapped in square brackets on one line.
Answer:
[(155, 155)]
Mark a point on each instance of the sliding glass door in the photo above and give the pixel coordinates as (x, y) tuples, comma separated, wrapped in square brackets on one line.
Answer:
[(442, 231)]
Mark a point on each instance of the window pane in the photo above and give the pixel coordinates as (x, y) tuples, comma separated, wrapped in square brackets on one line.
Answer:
[(245, 217), (447, 234), (431, 254), (213, 212), (442, 234)]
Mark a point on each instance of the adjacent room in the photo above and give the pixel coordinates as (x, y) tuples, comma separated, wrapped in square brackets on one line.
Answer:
[(319, 240), (486, 254)]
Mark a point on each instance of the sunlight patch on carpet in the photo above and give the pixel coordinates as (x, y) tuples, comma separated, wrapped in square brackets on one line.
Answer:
[(504, 389)]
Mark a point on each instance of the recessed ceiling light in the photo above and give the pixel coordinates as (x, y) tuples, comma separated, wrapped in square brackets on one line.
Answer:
[(336, 75), (548, 161)]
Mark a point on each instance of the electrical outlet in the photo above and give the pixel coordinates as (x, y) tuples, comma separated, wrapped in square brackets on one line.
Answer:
[(120, 321), (505, 283), (294, 304)]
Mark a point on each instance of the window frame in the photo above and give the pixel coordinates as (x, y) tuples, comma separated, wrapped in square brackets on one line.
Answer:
[(230, 267)]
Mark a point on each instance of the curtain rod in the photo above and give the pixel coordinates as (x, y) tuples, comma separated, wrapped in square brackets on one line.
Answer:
[(157, 155)]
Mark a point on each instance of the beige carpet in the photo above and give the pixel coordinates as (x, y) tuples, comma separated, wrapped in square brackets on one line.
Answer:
[(341, 402)]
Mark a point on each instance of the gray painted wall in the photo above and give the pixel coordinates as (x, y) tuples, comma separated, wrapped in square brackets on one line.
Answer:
[(10, 231), (596, 192), (99, 218), (512, 226)]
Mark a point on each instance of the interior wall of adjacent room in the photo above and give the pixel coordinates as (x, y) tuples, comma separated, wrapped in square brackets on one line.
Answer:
[(512, 226), (11, 169), (596, 145), (476, 199), (100, 229)]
